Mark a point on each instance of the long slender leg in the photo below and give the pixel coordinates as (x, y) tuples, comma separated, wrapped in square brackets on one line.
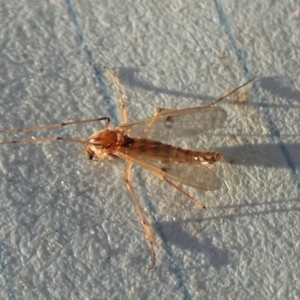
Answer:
[(146, 226), (47, 127), (54, 126), (228, 94), (185, 193), (121, 94), (160, 111), (44, 140), (164, 110)]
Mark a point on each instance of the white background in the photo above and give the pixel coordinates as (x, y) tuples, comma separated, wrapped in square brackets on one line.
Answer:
[(68, 226)]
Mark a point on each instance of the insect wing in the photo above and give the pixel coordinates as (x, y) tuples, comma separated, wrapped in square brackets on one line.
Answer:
[(170, 124), (192, 175)]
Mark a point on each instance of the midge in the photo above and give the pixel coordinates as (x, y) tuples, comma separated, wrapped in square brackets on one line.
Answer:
[(138, 143)]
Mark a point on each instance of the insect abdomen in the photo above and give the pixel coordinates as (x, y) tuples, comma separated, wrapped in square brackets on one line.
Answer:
[(168, 153)]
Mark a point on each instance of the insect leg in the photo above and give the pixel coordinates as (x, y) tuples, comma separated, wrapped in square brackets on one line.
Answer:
[(165, 111), (185, 193), (146, 226), (44, 140), (228, 94), (54, 126), (158, 112), (47, 127), (121, 94)]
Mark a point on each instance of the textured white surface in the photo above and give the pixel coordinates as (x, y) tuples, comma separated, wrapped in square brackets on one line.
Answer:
[(68, 227)]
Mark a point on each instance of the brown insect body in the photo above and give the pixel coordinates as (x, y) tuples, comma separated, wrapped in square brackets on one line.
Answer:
[(111, 142)]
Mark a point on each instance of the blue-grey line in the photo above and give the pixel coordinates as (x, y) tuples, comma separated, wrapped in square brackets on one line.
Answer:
[(99, 74), (9, 288), (103, 91), (261, 102)]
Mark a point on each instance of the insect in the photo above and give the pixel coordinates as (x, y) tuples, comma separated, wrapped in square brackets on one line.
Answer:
[(138, 143)]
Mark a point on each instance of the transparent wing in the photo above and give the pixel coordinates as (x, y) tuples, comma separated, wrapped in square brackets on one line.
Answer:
[(176, 123), (192, 175)]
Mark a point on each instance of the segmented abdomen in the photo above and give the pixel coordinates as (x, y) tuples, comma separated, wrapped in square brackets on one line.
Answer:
[(167, 153)]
